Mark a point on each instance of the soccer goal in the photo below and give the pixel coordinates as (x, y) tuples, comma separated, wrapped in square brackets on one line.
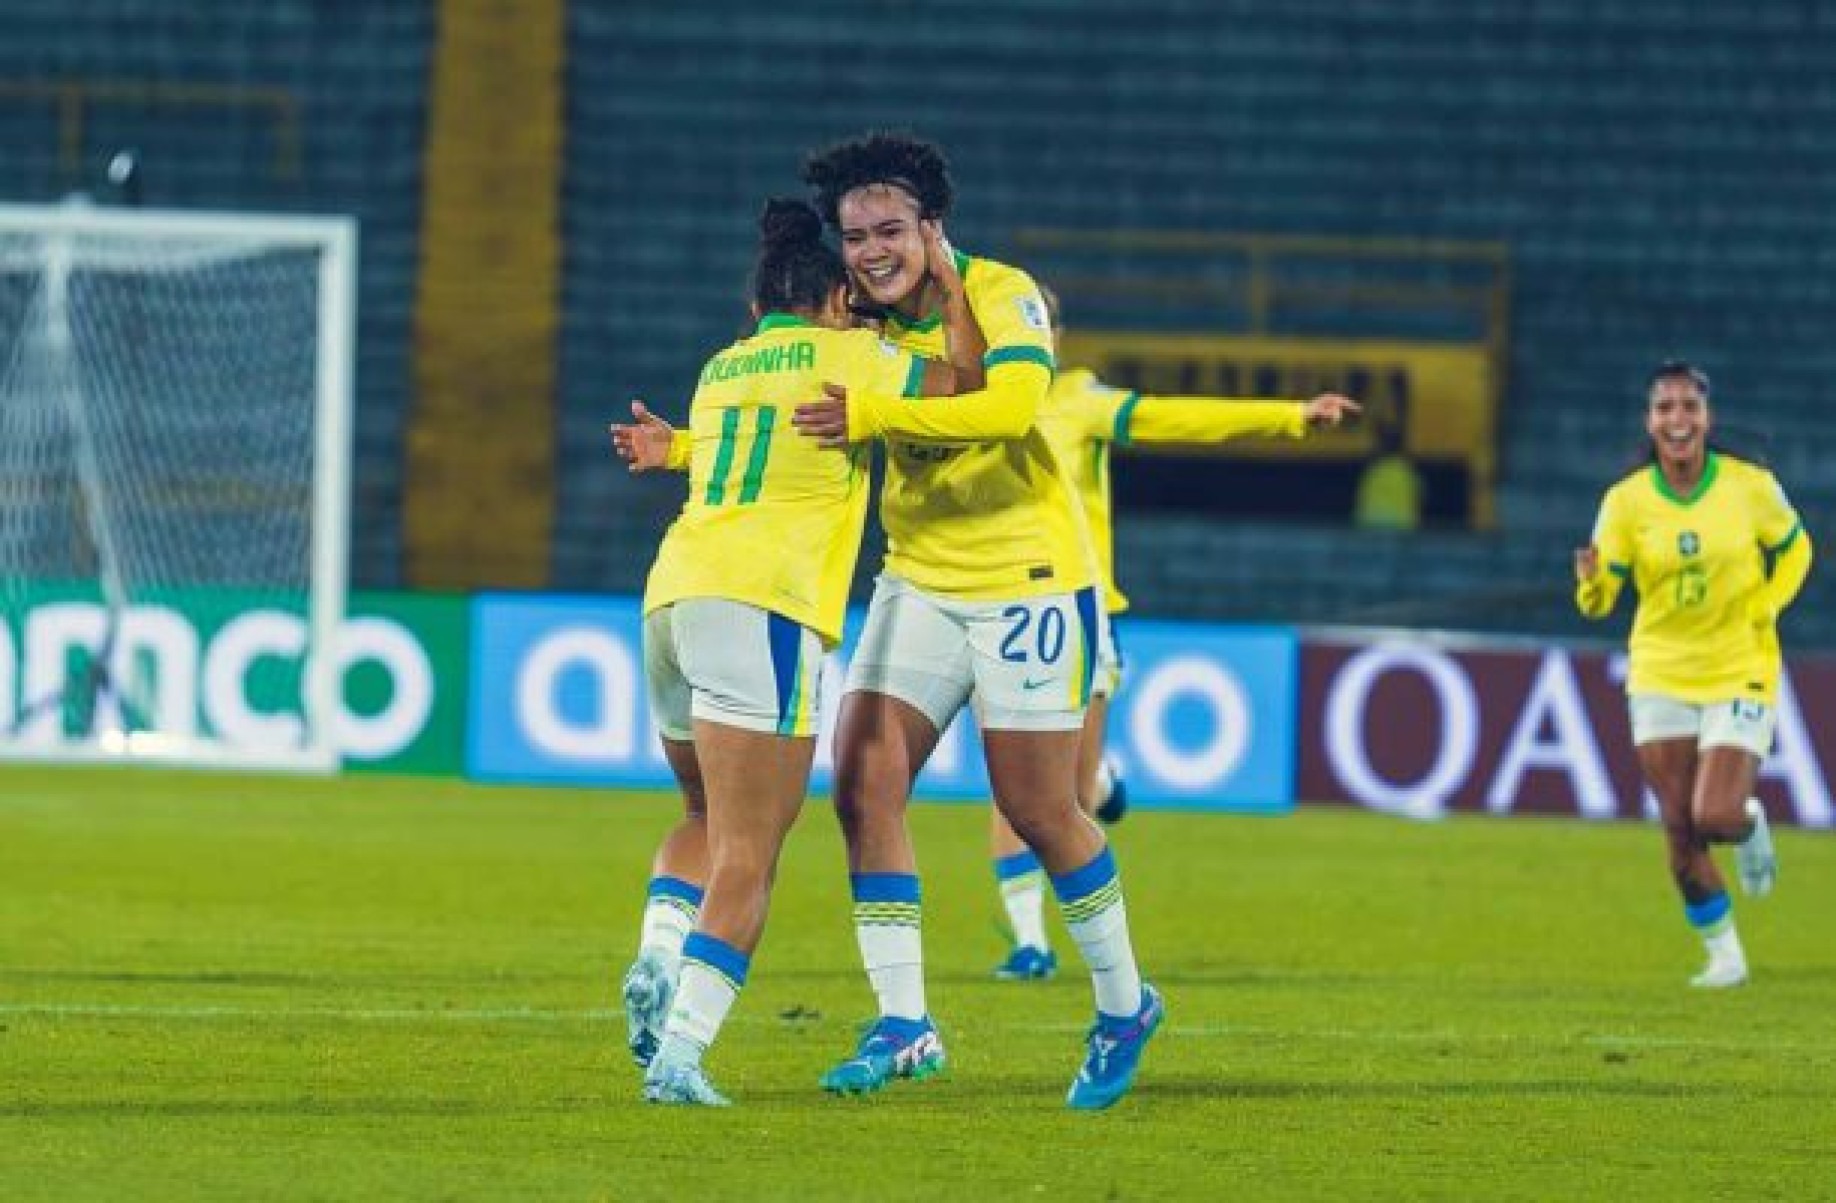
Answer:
[(175, 404)]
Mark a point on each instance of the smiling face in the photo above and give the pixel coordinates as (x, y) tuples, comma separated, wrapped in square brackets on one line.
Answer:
[(883, 245), (1677, 419)]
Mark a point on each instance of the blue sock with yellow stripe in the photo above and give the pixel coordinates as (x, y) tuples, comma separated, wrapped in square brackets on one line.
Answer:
[(713, 972), (1091, 898)]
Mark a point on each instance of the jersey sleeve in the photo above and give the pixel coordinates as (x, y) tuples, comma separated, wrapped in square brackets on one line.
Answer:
[(1164, 421), (1783, 544), (681, 449), (1019, 364), (1013, 319), (1612, 539)]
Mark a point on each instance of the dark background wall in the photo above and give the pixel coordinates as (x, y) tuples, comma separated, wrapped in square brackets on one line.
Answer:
[(1663, 172)]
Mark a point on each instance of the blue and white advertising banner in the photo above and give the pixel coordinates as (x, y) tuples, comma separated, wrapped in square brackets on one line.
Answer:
[(1205, 720)]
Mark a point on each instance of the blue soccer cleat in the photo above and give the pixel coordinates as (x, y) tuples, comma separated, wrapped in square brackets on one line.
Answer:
[(1114, 1053), (648, 991), (681, 1083), (1027, 963), (892, 1048), (1110, 811)]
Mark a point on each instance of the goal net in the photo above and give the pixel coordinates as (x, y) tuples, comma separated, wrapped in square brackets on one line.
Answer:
[(175, 395)]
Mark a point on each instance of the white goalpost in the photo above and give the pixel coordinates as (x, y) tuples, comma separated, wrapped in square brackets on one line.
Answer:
[(175, 412)]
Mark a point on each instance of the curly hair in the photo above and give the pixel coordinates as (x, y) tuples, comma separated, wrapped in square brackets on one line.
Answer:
[(903, 161)]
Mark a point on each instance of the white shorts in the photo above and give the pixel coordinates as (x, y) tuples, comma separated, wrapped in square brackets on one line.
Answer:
[(731, 663), (1025, 665), (1742, 723)]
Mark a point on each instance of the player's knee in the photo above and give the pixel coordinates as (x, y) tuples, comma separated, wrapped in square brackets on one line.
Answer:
[(1722, 824)]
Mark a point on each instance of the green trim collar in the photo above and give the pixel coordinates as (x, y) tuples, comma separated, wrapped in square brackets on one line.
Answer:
[(781, 321), (1710, 470), (915, 325)]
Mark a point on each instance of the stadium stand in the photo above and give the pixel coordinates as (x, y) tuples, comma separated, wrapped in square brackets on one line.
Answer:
[(1629, 154), (1662, 175)]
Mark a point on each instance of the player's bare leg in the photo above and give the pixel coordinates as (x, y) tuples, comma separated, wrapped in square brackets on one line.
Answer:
[(1670, 766), (1018, 873), (678, 877), (881, 744), (1726, 812), (755, 784), (1034, 775)]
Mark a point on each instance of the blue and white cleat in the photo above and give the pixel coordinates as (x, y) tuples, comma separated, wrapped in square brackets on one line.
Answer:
[(648, 991), (1110, 811), (1027, 963), (681, 1083), (1114, 1053), (892, 1048)]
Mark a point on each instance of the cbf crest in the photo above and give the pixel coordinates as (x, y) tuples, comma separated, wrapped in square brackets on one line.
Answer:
[(1688, 543)]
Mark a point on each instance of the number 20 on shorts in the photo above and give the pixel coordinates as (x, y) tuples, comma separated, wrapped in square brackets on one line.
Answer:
[(1047, 640)]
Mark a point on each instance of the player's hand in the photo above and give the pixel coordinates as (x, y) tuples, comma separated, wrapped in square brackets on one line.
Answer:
[(826, 421), (1587, 563), (644, 445), (940, 260), (1329, 409)]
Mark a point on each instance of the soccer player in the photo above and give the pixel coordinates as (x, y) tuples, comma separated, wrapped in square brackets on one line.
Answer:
[(1083, 419), (987, 598), (748, 588), (1716, 553)]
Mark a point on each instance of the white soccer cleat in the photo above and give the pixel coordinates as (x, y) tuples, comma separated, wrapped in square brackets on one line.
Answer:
[(1755, 859), (647, 992), (681, 1084), (1721, 973)]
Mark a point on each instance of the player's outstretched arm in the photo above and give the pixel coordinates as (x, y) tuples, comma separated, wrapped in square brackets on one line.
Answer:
[(1199, 421)]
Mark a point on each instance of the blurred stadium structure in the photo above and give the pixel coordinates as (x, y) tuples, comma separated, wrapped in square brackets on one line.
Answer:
[(557, 204)]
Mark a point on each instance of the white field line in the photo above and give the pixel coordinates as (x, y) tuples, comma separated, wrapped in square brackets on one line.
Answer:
[(537, 1015)]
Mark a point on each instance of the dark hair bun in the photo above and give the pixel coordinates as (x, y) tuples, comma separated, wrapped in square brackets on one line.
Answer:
[(786, 223)]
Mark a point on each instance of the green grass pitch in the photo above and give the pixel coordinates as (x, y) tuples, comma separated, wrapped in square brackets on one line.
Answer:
[(260, 988)]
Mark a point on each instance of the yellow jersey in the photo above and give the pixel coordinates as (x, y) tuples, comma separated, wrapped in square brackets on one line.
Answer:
[(975, 505), (773, 519), (1713, 570), (1082, 418)]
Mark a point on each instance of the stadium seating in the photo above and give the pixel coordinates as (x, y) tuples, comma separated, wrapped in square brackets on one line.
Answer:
[(1662, 172), (1659, 195)]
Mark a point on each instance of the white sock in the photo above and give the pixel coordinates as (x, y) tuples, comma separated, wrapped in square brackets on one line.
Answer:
[(670, 912), (712, 974), (1723, 943), (1022, 885), (1098, 920), (887, 917)]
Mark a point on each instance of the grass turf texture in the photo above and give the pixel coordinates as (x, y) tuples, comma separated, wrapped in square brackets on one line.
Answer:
[(239, 987)]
